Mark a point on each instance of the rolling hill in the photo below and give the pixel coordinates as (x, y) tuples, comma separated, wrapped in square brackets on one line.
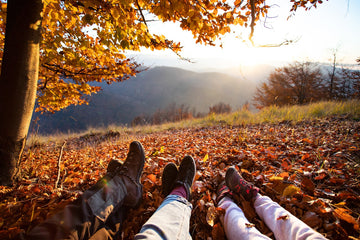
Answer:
[(149, 91)]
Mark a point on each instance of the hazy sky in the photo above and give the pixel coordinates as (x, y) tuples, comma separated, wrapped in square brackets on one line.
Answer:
[(335, 24)]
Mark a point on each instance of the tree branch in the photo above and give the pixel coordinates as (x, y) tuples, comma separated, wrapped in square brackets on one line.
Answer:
[(283, 43), (67, 73), (142, 15), (58, 165), (252, 24)]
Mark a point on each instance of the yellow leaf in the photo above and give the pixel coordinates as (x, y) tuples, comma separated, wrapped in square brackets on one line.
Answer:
[(206, 158), (275, 179), (115, 13), (290, 190), (340, 204), (228, 15)]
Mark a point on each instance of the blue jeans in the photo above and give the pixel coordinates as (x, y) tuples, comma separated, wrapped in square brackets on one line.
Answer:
[(170, 221)]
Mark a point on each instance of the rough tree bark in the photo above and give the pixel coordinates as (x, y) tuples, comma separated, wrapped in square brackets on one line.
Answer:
[(18, 81)]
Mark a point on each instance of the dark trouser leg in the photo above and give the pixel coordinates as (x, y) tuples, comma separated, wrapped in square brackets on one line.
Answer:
[(98, 212), (112, 227)]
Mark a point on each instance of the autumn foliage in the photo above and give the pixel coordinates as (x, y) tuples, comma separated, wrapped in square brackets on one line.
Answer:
[(310, 167), (88, 41), (305, 82)]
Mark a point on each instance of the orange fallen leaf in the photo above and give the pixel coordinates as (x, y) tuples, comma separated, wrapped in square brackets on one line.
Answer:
[(152, 177), (344, 215)]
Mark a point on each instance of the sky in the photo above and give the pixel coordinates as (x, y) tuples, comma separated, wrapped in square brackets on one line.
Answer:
[(335, 24)]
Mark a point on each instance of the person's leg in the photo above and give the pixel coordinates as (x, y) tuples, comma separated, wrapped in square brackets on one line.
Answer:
[(235, 223), (172, 219), (283, 224), (102, 207)]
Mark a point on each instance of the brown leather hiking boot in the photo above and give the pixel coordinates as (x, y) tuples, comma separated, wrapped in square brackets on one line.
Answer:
[(113, 167), (130, 171), (168, 178), (238, 185), (186, 174)]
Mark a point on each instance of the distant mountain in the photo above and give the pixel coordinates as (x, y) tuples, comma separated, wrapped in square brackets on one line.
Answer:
[(149, 91)]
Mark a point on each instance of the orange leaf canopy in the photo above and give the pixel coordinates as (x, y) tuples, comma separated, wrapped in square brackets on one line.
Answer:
[(87, 41)]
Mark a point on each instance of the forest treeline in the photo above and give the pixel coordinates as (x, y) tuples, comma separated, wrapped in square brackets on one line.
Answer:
[(304, 82)]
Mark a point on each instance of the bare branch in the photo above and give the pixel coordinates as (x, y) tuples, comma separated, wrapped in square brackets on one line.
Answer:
[(270, 17), (58, 165), (284, 43)]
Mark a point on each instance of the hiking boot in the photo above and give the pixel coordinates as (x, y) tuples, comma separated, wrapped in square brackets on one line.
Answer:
[(186, 174), (131, 171), (168, 178), (113, 167), (238, 185), (223, 191)]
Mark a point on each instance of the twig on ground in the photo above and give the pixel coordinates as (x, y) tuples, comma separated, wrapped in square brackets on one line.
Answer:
[(58, 165)]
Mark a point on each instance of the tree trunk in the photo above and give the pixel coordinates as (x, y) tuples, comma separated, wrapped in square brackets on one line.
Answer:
[(18, 82)]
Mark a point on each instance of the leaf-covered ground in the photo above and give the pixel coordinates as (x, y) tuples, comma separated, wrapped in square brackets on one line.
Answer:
[(311, 168)]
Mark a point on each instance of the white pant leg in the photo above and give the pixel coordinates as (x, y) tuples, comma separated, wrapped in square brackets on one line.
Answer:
[(234, 222), (290, 228)]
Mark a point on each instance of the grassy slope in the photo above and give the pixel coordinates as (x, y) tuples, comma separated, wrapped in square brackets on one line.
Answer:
[(273, 114)]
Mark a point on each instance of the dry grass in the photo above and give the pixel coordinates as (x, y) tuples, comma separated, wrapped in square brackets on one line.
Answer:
[(272, 114)]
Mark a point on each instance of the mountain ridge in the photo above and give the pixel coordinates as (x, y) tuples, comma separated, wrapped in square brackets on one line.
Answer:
[(153, 89)]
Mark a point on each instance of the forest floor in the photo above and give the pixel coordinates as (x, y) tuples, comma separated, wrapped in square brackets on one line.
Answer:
[(310, 167)]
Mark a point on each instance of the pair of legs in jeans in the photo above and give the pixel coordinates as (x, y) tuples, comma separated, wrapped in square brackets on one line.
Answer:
[(99, 213), (172, 219)]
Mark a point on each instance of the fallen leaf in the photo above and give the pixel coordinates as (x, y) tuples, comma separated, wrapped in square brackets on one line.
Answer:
[(307, 185), (152, 177), (211, 215), (290, 191), (285, 217), (205, 158), (344, 215), (249, 225)]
